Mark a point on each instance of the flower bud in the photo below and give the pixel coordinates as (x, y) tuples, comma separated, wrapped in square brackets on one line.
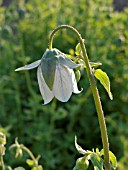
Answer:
[(2, 150), (81, 164), (19, 153)]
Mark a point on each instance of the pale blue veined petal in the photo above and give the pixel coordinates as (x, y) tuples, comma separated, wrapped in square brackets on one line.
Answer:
[(62, 88), (44, 89), (29, 66), (74, 83)]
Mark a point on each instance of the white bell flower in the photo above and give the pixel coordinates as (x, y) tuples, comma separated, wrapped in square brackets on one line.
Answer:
[(55, 75)]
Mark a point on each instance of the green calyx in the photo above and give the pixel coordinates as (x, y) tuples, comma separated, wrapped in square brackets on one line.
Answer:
[(49, 62)]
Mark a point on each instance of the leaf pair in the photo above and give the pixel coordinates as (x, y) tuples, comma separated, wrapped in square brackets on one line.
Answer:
[(95, 157)]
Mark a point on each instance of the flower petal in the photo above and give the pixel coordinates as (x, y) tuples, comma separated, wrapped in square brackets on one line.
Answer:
[(67, 62), (45, 91), (74, 83), (62, 87), (29, 66)]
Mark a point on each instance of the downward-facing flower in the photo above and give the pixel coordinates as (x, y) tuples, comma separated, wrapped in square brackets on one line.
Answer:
[(55, 75)]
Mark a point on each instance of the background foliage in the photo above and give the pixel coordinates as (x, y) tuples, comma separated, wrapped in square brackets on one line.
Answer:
[(49, 130)]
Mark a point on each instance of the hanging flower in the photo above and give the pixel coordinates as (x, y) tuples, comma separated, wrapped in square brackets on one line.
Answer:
[(55, 75)]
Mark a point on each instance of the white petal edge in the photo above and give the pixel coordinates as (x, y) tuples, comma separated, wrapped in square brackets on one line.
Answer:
[(74, 84), (62, 88), (44, 89), (29, 66)]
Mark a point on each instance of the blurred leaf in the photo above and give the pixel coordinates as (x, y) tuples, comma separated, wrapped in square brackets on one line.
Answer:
[(30, 162), (1, 1), (95, 64), (39, 168)]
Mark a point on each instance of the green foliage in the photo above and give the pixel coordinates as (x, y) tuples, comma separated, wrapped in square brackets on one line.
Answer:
[(112, 158), (50, 130), (104, 80), (95, 157)]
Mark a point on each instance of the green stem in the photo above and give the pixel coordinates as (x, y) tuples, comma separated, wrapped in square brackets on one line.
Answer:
[(31, 155), (94, 92), (2, 162)]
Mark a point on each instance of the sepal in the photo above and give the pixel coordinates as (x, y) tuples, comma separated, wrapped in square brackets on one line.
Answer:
[(29, 66), (67, 62)]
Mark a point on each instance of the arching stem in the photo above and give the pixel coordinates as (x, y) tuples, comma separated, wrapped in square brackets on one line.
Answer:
[(94, 92), (31, 155)]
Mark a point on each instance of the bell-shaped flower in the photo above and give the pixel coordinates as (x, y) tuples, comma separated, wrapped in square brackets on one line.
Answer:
[(55, 75)]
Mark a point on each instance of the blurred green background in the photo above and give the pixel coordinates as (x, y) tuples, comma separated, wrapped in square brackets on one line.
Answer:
[(49, 130)]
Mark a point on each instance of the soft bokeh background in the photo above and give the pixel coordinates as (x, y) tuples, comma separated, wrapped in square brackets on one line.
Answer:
[(49, 130)]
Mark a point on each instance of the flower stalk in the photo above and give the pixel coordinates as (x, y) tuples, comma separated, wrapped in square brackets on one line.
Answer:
[(2, 163), (31, 155), (94, 92), (19, 150)]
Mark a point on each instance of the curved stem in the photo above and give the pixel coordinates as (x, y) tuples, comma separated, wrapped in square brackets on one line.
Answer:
[(94, 92), (31, 155)]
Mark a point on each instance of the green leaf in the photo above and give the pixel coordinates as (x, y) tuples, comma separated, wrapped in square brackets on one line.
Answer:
[(95, 64), (96, 161), (81, 163), (112, 158), (78, 50), (104, 80), (30, 162)]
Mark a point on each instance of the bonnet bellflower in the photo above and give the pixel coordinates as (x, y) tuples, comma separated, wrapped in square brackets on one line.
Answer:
[(55, 75)]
